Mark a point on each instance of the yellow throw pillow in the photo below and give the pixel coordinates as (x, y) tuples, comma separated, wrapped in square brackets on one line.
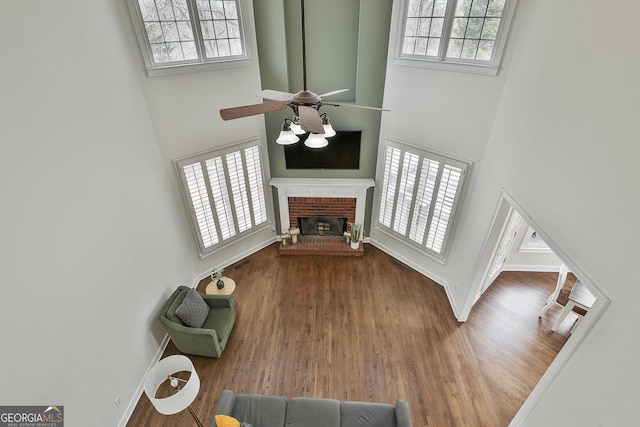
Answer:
[(226, 421)]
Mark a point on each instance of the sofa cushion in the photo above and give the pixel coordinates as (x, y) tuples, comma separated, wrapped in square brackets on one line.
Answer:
[(194, 310), (226, 421), (221, 320), (313, 412), (260, 410), (366, 414)]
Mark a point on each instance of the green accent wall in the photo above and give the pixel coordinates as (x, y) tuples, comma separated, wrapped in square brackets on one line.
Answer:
[(346, 47)]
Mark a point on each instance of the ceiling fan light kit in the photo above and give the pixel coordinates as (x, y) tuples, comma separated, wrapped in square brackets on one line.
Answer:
[(296, 128), (316, 140), (287, 135), (304, 104), (328, 129)]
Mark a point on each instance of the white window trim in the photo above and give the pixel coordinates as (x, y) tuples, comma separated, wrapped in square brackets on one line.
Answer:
[(489, 68), (404, 238), (245, 14), (222, 151)]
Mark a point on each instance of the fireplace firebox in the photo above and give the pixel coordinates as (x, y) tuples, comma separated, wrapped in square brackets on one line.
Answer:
[(322, 226)]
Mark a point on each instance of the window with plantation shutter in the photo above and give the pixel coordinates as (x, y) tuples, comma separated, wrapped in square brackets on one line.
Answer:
[(420, 191), (224, 193)]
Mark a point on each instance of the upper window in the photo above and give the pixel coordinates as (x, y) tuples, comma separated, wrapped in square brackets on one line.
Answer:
[(420, 192), (178, 33), (465, 35), (225, 194)]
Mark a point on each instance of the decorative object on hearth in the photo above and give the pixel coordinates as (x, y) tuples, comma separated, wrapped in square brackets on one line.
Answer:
[(285, 237), (356, 235), (347, 237), (180, 397), (294, 232), (305, 105)]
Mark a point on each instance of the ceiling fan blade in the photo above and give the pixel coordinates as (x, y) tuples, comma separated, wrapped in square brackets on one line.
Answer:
[(335, 92), (252, 110), (310, 119), (337, 104), (275, 95)]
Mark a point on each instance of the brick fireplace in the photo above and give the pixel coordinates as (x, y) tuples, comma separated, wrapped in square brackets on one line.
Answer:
[(321, 198), (321, 207)]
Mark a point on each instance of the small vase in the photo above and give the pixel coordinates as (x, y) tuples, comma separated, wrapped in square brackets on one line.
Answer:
[(220, 283), (355, 245)]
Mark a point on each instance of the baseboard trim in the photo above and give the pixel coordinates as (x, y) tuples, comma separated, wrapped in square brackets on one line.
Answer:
[(237, 258), (138, 394), (155, 359), (439, 280), (532, 268)]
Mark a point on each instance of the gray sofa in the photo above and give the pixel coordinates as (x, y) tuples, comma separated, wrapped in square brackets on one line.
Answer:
[(276, 411)]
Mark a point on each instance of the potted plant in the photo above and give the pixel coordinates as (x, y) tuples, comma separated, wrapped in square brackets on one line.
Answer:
[(356, 235)]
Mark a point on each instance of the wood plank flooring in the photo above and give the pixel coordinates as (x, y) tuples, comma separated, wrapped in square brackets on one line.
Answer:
[(372, 329)]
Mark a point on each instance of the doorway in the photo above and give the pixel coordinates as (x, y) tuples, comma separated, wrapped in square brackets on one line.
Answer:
[(500, 237), (503, 249)]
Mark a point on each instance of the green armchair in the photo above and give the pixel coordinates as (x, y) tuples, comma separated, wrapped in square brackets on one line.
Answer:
[(208, 340)]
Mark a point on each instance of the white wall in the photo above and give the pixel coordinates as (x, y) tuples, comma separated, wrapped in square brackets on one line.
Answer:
[(561, 138), (184, 110), (442, 111), (91, 242), (571, 105)]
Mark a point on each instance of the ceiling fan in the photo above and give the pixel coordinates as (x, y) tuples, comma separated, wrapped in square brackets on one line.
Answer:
[(305, 105)]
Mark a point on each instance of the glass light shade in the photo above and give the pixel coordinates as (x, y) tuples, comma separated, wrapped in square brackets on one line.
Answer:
[(295, 127), (316, 140), (328, 130), (287, 137), (160, 373)]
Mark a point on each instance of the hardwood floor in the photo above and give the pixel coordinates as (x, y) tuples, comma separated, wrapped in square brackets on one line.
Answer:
[(372, 329)]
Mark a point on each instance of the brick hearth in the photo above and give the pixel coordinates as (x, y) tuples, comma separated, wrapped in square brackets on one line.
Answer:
[(321, 245)]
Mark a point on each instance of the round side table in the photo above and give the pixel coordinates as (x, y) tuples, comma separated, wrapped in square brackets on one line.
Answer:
[(229, 287)]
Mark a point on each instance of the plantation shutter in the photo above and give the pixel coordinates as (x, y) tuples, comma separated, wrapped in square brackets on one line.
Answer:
[(419, 194), (200, 202), (443, 208), (405, 192), (388, 197), (224, 191), (239, 190), (221, 200), (256, 186), (422, 210)]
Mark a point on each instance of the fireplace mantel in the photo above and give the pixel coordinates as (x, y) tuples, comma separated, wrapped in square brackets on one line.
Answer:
[(321, 187)]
